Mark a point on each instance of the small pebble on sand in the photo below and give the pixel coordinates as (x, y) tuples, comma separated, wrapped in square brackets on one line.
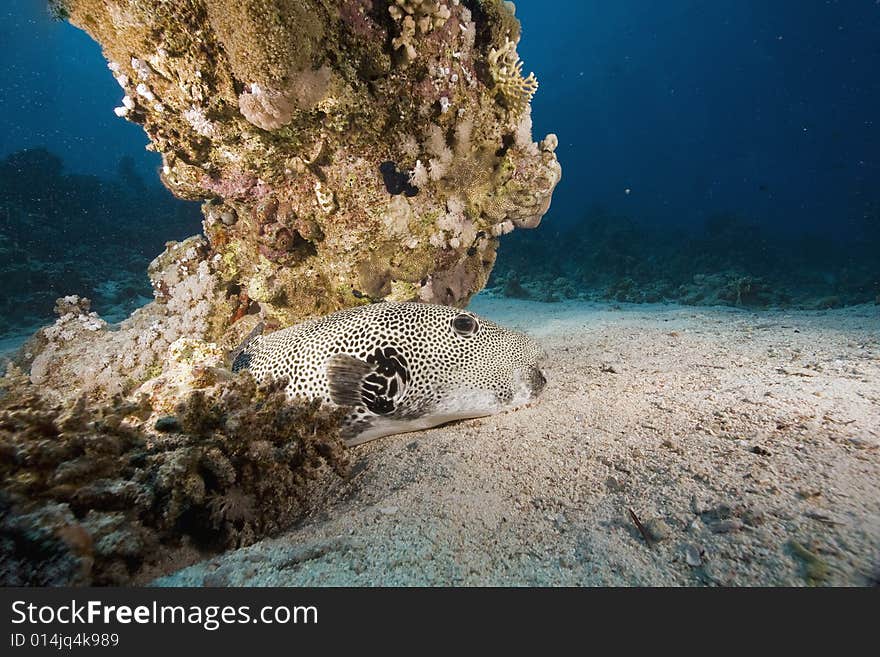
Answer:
[(692, 556), (614, 484), (726, 526)]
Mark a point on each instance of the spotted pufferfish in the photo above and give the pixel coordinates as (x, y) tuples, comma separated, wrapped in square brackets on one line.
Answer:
[(400, 366)]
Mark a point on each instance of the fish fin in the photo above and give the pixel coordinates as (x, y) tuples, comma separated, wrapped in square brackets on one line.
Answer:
[(370, 429), (345, 375), (240, 357), (377, 385)]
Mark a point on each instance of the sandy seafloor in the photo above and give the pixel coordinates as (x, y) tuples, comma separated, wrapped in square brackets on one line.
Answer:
[(746, 443)]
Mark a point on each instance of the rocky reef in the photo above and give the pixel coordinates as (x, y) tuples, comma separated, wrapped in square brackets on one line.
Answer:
[(345, 151), (109, 494), (82, 354), (64, 233)]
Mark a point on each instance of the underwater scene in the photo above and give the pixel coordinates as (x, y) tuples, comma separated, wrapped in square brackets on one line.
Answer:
[(439, 293)]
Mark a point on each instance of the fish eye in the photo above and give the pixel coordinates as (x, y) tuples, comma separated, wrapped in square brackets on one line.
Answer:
[(465, 325)]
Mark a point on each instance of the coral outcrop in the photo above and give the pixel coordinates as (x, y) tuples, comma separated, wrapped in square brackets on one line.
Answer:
[(110, 494), (82, 354), (346, 151), (286, 116)]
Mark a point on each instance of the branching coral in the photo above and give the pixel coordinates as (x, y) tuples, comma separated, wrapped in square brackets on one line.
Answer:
[(506, 69), (94, 495)]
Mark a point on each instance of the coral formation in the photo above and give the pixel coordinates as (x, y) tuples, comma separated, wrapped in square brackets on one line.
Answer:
[(80, 353), (506, 68), (271, 109), (109, 494), (729, 261), (416, 19), (339, 146), (344, 151)]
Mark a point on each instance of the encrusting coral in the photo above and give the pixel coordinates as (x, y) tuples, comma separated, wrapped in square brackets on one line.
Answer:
[(109, 494)]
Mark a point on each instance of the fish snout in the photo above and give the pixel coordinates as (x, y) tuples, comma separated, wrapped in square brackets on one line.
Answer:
[(537, 381)]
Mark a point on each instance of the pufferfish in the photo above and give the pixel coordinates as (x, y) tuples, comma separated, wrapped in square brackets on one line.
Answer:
[(399, 366)]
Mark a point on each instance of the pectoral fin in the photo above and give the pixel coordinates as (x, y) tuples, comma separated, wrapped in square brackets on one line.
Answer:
[(239, 357), (377, 385), (346, 375)]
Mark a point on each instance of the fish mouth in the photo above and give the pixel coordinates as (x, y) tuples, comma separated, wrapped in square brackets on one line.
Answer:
[(536, 380), (528, 382)]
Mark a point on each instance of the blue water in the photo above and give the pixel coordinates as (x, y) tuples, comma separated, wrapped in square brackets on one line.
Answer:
[(668, 114), (768, 109), (59, 94)]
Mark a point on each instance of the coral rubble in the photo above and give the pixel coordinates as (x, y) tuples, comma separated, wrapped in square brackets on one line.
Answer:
[(109, 494)]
